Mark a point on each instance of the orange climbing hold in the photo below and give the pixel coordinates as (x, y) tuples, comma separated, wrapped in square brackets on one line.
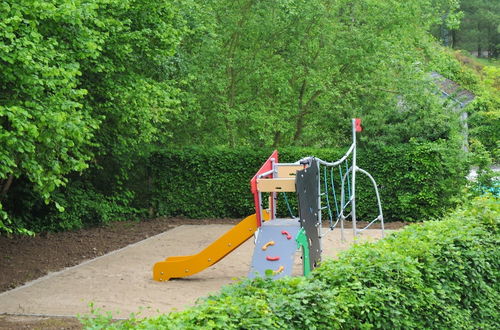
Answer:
[(265, 246), (279, 270), (268, 258)]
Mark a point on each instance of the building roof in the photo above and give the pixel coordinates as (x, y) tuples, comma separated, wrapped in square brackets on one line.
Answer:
[(451, 89)]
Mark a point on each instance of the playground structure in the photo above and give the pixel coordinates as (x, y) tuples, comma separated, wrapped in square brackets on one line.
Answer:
[(276, 239)]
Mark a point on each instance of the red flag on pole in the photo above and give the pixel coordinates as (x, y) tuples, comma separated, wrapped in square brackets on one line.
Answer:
[(357, 122)]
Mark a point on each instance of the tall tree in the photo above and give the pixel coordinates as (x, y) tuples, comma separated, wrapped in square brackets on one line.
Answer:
[(130, 86), (480, 29), (45, 131), (293, 72), (79, 81)]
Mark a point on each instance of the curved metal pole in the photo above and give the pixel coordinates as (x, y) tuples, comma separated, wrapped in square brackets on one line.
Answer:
[(335, 163), (379, 203), (352, 198)]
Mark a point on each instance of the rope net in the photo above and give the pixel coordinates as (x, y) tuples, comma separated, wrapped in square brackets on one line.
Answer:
[(334, 205), (330, 194), (337, 193)]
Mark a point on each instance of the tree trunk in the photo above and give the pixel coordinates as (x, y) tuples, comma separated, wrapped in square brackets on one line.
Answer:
[(6, 186), (299, 126), (277, 138), (300, 114)]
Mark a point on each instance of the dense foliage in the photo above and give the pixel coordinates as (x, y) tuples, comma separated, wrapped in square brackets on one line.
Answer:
[(485, 114), (441, 274), (280, 73), (416, 181), (89, 88), (45, 130), (483, 123), (479, 31), (79, 79), (484, 82), (215, 182)]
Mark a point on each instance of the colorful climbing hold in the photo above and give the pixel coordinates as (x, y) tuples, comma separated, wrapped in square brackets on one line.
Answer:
[(288, 236), (268, 258), (279, 270), (265, 246)]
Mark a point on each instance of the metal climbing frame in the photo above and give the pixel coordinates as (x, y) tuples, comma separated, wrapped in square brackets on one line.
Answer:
[(304, 178), (347, 179)]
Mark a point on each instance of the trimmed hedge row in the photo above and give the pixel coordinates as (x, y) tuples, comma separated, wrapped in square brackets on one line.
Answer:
[(436, 275), (417, 181)]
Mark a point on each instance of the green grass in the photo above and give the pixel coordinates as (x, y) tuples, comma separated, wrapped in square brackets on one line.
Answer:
[(473, 62)]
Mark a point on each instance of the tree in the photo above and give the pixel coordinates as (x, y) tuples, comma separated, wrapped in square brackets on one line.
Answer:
[(479, 31), (45, 130), (294, 72), (130, 84), (81, 82)]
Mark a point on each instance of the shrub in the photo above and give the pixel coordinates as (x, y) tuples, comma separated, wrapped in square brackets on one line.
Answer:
[(417, 180), (79, 205)]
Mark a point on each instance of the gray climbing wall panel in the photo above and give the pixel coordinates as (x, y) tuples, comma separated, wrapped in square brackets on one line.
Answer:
[(275, 248), (308, 196)]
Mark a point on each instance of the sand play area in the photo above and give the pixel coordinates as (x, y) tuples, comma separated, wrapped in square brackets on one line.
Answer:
[(121, 281)]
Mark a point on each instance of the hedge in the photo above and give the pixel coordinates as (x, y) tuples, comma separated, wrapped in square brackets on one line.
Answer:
[(436, 275), (417, 181)]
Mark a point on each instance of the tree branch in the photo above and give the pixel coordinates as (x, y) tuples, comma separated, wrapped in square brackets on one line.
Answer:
[(312, 99)]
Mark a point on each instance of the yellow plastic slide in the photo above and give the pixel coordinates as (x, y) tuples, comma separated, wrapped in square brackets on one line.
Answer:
[(182, 266)]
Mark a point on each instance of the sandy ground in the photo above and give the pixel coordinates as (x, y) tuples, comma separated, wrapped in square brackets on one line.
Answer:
[(121, 282)]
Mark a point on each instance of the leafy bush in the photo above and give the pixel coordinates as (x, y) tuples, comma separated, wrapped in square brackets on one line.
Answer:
[(441, 274), (45, 130), (213, 182), (417, 180), (87, 207), (486, 180), (81, 80), (78, 205), (485, 124)]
